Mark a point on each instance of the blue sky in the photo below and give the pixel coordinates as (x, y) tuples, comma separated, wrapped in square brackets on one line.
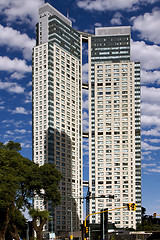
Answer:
[(17, 38)]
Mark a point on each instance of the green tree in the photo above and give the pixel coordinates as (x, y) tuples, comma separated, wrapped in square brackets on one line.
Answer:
[(16, 225), (20, 181), (48, 181), (148, 223), (41, 217)]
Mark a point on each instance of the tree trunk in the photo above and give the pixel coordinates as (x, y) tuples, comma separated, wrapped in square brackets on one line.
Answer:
[(2, 235), (39, 235), (15, 234), (5, 225), (39, 228)]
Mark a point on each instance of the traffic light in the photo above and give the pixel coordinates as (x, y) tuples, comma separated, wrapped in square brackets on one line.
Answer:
[(133, 206), (154, 215), (87, 229), (129, 206)]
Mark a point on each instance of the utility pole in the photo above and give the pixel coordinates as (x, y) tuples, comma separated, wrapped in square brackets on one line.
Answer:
[(87, 201), (71, 235), (71, 226), (52, 224), (104, 224)]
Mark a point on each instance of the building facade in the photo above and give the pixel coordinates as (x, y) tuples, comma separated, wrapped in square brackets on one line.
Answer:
[(114, 119), (57, 118), (114, 126)]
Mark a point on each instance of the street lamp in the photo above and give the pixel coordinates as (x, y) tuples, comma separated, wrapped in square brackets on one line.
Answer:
[(51, 234), (71, 235), (52, 225)]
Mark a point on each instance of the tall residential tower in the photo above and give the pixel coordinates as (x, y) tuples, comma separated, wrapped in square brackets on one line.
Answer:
[(114, 125), (57, 111), (114, 118)]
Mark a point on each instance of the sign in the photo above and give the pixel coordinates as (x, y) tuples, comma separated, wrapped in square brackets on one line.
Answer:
[(52, 236)]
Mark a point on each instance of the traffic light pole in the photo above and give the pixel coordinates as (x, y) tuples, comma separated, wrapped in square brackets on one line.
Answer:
[(100, 213), (104, 224)]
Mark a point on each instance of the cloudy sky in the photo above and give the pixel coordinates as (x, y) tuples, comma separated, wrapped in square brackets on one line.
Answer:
[(17, 38)]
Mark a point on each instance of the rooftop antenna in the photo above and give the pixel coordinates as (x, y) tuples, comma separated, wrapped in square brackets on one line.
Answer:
[(67, 13)]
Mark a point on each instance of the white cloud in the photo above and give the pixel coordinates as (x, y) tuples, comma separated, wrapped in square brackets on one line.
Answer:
[(117, 19), (156, 170), (26, 145), (29, 84), (84, 50), (9, 132), (85, 126), (151, 132), (150, 77), (86, 141), (2, 107), (145, 165), (20, 131), (146, 146), (150, 109), (85, 115), (102, 5), (148, 26), (20, 110), (85, 104), (146, 153), (28, 97), (14, 39), (154, 140), (11, 87), (26, 10), (6, 64), (85, 147), (146, 54), (150, 95), (98, 24), (85, 93), (13, 122), (72, 19), (150, 121), (85, 72), (85, 121), (17, 75), (89, 30)]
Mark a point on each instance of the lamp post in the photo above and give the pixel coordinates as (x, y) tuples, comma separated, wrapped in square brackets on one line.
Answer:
[(51, 234), (52, 225), (71, 235)]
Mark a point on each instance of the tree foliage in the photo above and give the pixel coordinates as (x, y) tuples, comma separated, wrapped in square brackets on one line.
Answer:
[(41, 217), (149, 223), (20, 180)]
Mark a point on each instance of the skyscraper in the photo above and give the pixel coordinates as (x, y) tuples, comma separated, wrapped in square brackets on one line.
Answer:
[(114, 118), (114, 125), (57, 118)]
